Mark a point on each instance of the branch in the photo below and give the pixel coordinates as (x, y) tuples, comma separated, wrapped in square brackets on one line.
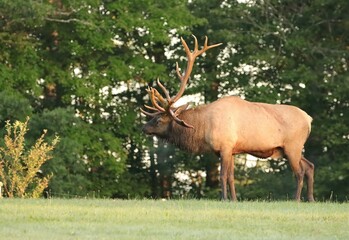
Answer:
[(69, 21), (66, 14)]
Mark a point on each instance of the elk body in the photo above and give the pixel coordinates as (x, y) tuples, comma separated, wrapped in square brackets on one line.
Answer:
[(232, 126)]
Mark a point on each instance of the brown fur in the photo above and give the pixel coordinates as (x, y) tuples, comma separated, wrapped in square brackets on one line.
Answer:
[(232, 125), (191, 140)]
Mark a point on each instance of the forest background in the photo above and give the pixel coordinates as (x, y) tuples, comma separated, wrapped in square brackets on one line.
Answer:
[(80, 69)]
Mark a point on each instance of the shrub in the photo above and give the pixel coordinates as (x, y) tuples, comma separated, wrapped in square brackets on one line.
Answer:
[(19, 167)]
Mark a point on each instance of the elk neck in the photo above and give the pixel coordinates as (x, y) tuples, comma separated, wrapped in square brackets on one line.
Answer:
[(188, 139)]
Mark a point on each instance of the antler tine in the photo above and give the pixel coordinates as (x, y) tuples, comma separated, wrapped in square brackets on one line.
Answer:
[(163, 88), (179, 121), (186, 48), (206, 42), (179, 74), (150, 114), (151, 108), (196, 45)]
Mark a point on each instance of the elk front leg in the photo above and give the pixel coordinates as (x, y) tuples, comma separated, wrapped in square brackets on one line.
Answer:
[(309, 172), (227, 175)]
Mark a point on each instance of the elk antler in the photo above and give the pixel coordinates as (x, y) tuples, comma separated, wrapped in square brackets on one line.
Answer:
[(191, 56), (164, 104)]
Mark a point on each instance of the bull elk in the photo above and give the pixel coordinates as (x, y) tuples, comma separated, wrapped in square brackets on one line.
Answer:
[(231, 126)]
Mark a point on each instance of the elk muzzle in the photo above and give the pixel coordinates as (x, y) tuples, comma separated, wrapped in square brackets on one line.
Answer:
[(147, 130)]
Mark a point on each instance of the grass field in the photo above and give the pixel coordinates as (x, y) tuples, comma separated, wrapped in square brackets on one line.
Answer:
[(174, 219)]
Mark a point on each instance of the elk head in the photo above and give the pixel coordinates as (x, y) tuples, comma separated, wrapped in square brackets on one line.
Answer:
[(163, 111)]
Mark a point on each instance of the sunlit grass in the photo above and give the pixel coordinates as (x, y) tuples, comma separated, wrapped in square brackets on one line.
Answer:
[(174, 219)]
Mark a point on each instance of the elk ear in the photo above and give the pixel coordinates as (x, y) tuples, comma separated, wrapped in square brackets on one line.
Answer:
[(181, 109)]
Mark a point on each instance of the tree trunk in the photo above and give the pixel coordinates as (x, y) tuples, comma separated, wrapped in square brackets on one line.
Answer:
[(211, 160)]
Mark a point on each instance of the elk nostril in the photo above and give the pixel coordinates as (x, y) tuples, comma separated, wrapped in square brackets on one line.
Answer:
[(145, 130)]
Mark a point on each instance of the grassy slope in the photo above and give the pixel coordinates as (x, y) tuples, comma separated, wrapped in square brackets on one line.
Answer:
[(182, 219)]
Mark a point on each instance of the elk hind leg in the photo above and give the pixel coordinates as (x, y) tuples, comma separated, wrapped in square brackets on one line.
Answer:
[(297, 167)]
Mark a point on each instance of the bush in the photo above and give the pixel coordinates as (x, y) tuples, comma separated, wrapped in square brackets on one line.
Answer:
[(19, 167)]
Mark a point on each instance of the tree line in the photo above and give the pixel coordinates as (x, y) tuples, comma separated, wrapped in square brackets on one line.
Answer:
[(80, 69)]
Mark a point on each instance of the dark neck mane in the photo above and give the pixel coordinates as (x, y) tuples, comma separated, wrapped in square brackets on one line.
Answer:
[(188, 139)]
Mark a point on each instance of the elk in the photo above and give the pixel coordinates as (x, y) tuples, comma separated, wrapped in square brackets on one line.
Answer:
[(229, 126)]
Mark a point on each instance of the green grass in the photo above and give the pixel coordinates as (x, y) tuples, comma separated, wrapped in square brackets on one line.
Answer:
[(174, 219)]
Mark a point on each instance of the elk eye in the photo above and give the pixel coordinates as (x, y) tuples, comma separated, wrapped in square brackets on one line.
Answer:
[(159, 121)]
